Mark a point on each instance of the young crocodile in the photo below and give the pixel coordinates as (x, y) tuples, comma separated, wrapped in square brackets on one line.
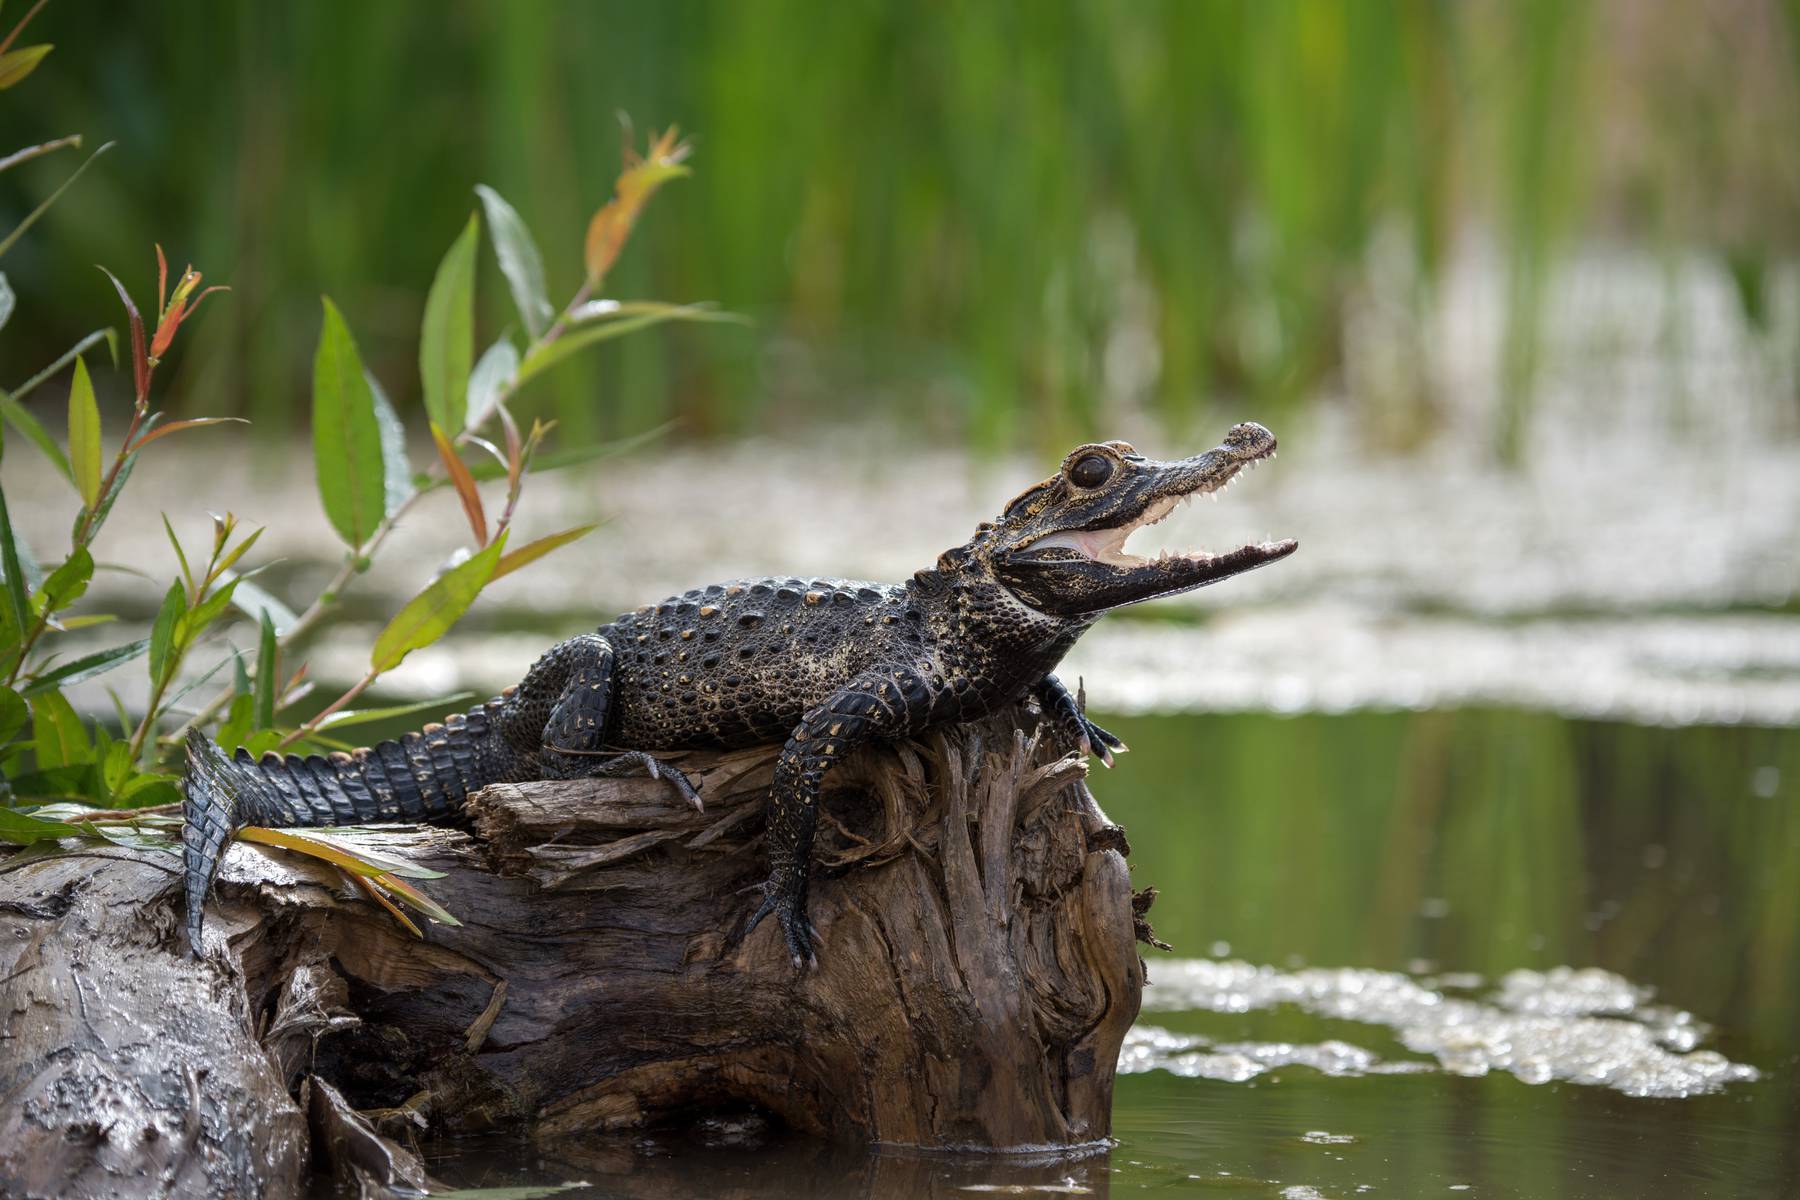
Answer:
[(823, 665)]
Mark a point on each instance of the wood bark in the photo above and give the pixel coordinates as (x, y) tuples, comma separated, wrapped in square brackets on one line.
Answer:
[(977, 977)]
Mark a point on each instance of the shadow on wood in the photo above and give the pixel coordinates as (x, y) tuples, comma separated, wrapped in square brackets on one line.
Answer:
[(976, 980)]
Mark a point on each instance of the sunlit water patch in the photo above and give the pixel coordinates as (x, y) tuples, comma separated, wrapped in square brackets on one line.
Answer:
[(1583, 1026)]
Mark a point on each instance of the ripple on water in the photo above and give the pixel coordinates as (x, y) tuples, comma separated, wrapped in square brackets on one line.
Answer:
[(1583, 1026)]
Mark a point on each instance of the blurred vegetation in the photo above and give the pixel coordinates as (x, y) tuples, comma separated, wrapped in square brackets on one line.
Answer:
[(1008, 221)]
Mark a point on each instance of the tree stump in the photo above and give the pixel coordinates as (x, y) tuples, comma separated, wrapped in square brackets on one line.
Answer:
[(977, 977)]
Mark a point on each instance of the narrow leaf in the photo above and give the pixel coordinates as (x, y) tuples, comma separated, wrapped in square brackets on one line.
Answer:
[(397, 487), (15, 65), (447, 337), (84, 434), (31, 218), (464, 483), (140, 355), (7, 300), (532, 551), (262, 715), (57, 733), (340, 850), (417, 899), (20, 418), (381, 897), (519, 260), (22, 829), (346, 437), (87, 667), (65, 584), (545, 357), (257, 603), (491, 380), (16, 595), (68, 356), (162, 634), (428, 615), (13, 714), (178, 426), (366, 716)]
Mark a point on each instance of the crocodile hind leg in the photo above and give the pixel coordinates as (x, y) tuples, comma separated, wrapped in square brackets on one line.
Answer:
[(575, 730)]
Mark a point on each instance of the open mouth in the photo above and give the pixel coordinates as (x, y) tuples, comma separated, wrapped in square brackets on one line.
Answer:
[(1108, 545)]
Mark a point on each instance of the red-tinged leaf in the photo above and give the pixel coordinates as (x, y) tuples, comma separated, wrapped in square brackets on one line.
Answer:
[(178, 426), (612, 225), (380, 897), (162, 280), (464, 484), (140, 357), (532, 551)]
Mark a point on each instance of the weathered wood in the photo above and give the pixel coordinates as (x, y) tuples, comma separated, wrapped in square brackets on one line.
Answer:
[(977, 977)]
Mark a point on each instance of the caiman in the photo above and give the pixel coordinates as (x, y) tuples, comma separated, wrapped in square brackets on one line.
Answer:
[(821, 665)]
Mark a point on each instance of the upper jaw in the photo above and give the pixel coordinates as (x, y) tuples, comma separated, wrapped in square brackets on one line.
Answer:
[(1164, 487)]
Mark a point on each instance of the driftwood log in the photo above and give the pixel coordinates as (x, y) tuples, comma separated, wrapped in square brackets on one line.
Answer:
[(978, 974)]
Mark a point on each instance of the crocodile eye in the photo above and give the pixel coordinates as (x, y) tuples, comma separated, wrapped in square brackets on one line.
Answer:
[(1091, 471)]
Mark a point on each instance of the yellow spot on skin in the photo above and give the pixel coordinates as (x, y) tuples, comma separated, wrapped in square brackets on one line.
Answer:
[(814, 597), (733, 590), (707, 610), (830, 748), (687, 634), (837, 728)]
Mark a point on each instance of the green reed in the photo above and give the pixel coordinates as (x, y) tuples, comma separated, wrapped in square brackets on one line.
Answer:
[(1003, 222)]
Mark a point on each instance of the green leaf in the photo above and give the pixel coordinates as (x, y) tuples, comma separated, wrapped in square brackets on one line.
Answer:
[(641, 316), (267, 663), (162, 634), (532, 551), (366, 716), (397, 487), (236, 726), (112, 496), (490, 380), (20, 418), (208, 610), (7, 301), (519, 259), (22, 829), (346, 435), (57, 733), (32, 217), (19, 157), (15, 65), (88, 666), (13, 714), (109, 335), (575, 456), (428, 615), (84, 434), (447, 338), (16, 596), (66, 583), (254, 602)]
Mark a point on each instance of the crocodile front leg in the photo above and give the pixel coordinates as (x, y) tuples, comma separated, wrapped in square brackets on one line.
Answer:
[(872, 707), (1067, 717)]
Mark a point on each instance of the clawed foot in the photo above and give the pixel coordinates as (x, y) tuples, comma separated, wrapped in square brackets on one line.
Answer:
[(632, 761), (796, 926), (1097, 741)]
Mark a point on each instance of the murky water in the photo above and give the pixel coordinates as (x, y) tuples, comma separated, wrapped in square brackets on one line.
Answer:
[(1477, 952)]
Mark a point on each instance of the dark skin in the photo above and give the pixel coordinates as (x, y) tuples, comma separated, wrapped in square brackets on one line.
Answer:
[(823, 665)]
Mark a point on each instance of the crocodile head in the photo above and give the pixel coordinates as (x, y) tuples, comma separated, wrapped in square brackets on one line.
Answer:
[(1060, 545)]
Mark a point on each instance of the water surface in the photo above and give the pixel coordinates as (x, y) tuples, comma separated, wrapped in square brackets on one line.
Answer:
[(1459, 953)]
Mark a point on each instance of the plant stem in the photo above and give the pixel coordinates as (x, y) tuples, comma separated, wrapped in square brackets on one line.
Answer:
[(318, 719)]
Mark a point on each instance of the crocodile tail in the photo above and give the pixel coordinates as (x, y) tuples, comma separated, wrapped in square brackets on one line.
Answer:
[(421, 776)]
